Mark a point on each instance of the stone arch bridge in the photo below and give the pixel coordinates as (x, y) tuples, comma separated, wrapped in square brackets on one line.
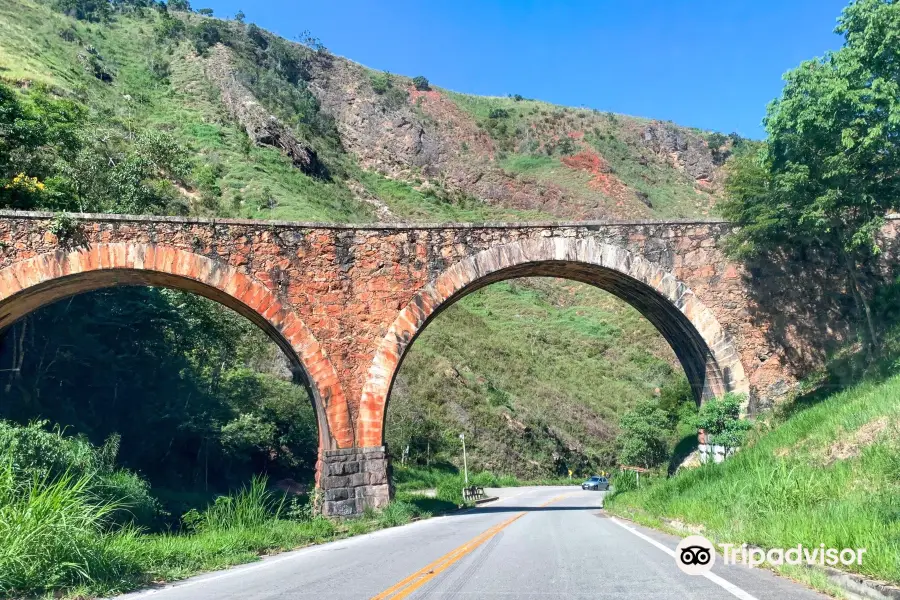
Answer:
[(346, 301)]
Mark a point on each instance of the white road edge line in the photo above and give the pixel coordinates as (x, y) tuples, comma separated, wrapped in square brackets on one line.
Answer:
[(726, 585)]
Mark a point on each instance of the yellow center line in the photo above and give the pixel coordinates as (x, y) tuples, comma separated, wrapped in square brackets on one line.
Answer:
[(404, 588)]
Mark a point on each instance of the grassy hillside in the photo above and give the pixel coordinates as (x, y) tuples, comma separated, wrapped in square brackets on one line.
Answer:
[(827, 473), (537, 374)]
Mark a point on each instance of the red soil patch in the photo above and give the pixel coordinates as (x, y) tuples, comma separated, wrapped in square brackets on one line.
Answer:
[(415, 94), (601, 179), (455, 123)]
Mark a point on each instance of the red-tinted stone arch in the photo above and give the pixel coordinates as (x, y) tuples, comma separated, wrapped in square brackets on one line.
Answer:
[(30, 284), (709, 359)]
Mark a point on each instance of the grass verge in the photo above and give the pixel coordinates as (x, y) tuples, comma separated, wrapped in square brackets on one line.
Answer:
[(56, 539), (448, 483), (828, 474)]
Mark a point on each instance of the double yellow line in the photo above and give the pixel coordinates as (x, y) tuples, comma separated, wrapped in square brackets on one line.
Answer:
[(409, 585)]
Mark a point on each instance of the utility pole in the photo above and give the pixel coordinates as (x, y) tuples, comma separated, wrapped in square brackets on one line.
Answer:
[(462, 436)]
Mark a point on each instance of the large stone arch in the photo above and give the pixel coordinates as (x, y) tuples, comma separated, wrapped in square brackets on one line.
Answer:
[(710, 360), (35, 282)]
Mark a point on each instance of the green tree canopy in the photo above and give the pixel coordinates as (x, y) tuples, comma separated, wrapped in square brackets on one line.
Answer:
[(645, 431), (830, 170), (720, 419)]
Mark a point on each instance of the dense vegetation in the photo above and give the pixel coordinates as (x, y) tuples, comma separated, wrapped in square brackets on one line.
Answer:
[(827, 175), (212, 392)]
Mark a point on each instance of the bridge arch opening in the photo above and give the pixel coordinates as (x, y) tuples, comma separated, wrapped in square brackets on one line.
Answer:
[(706, 353), (44, 279)]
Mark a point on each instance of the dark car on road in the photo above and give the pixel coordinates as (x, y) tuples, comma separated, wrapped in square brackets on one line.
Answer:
[(596, 483)]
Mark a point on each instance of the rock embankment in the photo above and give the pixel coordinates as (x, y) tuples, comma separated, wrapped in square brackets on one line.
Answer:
[(263, 128)]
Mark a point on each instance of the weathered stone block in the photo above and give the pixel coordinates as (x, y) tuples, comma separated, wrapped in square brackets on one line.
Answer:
[(337, 494), (354, 479)]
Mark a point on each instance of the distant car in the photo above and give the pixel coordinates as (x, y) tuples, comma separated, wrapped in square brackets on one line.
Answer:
[(596, 483)]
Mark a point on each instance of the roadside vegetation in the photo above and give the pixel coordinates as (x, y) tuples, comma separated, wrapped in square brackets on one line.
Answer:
[(70, 521), (824, 467), (447, 483)]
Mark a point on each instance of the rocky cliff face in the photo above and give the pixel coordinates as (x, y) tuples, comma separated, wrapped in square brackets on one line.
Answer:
[(685, 152), (262, 127), (430, 135), (511, 154)]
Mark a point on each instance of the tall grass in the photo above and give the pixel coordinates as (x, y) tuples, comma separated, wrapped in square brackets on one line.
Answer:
[(790, 487), (55, 533), (253, 506)]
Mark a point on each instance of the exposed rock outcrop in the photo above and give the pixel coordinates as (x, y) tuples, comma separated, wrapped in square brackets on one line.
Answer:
[(262, 127), (685, 151)]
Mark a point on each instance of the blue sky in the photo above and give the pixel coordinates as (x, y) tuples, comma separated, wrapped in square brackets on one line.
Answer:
[(713, 64)]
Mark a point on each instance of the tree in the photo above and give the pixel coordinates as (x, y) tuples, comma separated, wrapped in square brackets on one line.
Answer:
[(720, 419), (206, 12), (85, 10), (240, 16), (643, 437), (421, 83), (829, 171)]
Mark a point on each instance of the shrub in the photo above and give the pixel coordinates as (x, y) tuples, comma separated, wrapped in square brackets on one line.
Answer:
[(34, 454), (85, 10), (421, 83), (644, 433), (498, 113), (381, 82), (169, 28), (720, 418), (251, 507), (205, 35)]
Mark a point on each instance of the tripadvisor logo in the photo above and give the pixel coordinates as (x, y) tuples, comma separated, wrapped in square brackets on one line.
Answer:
[(696, 555)]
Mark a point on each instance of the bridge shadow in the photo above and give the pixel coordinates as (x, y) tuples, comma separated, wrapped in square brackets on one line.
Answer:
[(802, 301)]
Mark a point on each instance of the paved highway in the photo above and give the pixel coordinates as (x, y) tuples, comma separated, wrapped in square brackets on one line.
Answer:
[(538, 542)]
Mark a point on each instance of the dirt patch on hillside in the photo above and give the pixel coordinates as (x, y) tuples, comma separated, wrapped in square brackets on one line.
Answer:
[(602, 178), (454, 124), (852, 445)]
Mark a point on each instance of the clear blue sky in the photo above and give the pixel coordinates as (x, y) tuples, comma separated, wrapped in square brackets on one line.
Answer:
[(713, 64)]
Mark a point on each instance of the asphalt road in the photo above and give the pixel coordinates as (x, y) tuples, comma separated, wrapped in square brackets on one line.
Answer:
[(540, 542)]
